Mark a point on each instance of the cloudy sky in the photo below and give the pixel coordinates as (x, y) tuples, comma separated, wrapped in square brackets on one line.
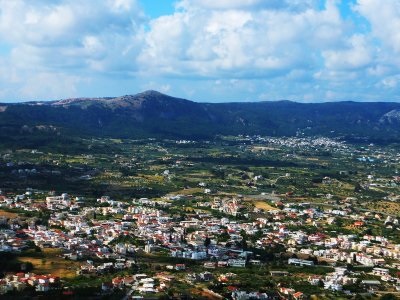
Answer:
[(204, 50)]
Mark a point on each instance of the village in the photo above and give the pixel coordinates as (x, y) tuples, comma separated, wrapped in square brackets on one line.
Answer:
[(207, 241), (92, 236)]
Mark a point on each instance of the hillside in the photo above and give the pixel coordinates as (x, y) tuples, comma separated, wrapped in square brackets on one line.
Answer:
[(152, 114)]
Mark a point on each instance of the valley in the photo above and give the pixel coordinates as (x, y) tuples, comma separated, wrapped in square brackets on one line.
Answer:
[(180, 218)]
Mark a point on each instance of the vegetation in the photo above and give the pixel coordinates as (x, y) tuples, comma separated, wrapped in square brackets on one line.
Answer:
[(184, 179)]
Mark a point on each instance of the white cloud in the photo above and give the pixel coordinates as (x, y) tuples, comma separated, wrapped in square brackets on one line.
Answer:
[(50, 34), (50, 86), (391, 82), (268, 49), (236, 41), (247, 4), (295, 42), (356, 55), (55, 45), (384, 18)]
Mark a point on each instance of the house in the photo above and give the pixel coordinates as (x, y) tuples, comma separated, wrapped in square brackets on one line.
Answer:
[(279, 273), (286, 291), (206, 276), (380, 271), (209, 265), (238, 263), (106, 286), (298, 295), (255, 262), (117, 282), (300, 262), (43, 287), (128, 280), (222, 264), (314, 279), (358, 224), (180, 267), (371, 282)]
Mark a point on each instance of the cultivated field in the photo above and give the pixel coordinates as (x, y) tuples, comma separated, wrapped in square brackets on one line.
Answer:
[(7, 214), (263, 205), (52, 263)]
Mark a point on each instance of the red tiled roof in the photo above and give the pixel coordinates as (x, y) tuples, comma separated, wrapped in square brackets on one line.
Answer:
[(298, 294)]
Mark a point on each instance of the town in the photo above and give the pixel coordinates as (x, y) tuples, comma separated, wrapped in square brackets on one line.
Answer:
[(242, 217)]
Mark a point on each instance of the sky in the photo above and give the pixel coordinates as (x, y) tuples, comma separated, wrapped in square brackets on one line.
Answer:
[(203, 50)]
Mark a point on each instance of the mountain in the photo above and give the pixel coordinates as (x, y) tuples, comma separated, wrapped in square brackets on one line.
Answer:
[(152, 114)]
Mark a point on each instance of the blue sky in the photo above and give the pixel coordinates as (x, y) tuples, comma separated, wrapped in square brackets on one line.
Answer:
[(204, 50)]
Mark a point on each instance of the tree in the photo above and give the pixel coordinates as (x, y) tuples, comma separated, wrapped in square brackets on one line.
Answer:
[(223, 237), (245, 237), (258, 235), (244, 244), (207, 242), (388, 297)]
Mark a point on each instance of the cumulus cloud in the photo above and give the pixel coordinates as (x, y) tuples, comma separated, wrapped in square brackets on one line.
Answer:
[(266, 41), (247, 4), (384, 18), (69, 39), (357, 54), (64, 22), (237, 41), (48, 86), (253, 49)]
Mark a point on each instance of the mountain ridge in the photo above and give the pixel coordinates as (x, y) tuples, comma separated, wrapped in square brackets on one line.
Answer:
[(154, 93), (153, 114)]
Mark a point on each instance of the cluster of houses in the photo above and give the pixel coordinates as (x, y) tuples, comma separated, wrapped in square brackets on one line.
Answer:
[(90, 268), (140, 283), (87, 232), (20, 281)]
